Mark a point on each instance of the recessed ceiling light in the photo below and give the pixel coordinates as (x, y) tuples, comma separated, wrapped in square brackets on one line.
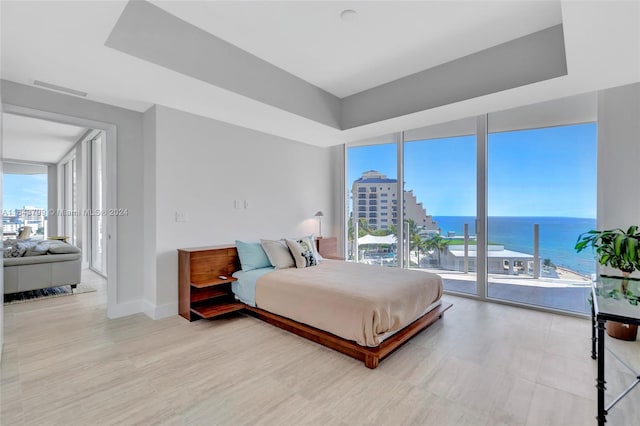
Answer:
[(59, 88), (348, 15)]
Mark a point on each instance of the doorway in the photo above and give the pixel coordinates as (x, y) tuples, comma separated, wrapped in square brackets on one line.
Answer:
[(68, 208)]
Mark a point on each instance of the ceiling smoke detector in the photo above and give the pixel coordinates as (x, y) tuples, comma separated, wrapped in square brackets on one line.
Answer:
[(348, 15)]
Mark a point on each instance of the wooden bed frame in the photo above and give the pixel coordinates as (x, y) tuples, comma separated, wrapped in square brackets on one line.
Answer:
[(370, 355), (203, 294)]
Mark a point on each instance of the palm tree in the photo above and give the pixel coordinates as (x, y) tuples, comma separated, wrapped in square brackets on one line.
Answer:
[(438, 244), (416, 244), (425, 247), (414, 238), (429, 245), (363, 228)]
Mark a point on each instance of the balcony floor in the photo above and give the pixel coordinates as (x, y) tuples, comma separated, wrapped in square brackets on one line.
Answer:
[(567, 294)]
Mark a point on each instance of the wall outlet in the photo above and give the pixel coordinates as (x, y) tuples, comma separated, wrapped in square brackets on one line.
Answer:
[(181, 216)]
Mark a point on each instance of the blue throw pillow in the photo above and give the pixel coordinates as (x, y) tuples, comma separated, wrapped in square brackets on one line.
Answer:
[(252, 255)]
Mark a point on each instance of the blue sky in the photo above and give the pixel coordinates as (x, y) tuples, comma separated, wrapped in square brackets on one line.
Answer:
[(24, 190), (540, 172)]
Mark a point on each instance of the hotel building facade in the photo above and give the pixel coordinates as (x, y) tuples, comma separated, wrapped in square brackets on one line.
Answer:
[(375, 199)]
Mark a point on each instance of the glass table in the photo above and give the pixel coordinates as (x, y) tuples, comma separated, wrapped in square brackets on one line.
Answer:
[(614, 299)]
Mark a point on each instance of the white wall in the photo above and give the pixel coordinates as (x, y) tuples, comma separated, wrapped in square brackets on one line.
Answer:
[(618, 157), (336, 227), (203, 165)]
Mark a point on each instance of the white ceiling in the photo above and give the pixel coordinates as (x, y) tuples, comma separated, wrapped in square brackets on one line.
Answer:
[(34, 140), (63, 43), (386, 41)]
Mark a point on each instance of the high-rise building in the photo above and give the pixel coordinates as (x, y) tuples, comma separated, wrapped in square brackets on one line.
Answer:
[(375, 200)]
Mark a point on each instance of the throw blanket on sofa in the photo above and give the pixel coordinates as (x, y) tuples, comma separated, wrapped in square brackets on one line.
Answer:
[(30, 247)]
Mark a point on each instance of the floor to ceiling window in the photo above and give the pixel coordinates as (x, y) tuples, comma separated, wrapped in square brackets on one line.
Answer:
[(372, 218), (440, 202), (25, 198), (494, 204), (541, 196)]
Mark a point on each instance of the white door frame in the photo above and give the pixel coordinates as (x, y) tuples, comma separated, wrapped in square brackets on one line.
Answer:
[(110, 131), (90, 194)]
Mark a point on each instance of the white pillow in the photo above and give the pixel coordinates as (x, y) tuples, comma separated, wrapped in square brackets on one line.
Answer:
[(310, 239), (302, 252), (278, 253)]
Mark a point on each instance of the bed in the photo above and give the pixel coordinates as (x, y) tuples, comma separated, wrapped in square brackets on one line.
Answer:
[(361, 310)]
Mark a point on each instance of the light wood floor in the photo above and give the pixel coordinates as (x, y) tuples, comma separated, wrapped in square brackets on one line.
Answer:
[(484, 364)]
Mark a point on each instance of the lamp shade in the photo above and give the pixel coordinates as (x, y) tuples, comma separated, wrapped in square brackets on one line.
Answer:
[(319, 214)]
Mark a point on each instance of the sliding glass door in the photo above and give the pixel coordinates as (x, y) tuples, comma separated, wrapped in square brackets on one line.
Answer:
[(541, 196), (440, 202), (372, 218)]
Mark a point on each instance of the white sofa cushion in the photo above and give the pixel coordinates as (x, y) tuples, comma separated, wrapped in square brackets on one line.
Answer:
[(49, 258)]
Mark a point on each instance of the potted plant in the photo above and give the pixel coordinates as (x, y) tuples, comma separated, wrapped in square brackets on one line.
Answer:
[(617, 249)]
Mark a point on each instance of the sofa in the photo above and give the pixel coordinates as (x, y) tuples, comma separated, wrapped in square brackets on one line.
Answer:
[(38, 264)]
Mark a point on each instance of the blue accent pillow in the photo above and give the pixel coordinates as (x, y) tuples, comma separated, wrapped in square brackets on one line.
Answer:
[(252, 255)]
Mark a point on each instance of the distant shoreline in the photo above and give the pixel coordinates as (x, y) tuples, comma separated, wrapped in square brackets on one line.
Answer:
[(558, 237), (568, 274)]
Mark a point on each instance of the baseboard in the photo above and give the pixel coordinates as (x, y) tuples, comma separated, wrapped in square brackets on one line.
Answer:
[(124, 309), (160, 311), (152, 311)]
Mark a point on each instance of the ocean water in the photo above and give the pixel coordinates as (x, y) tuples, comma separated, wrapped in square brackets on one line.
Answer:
[(558, 236)]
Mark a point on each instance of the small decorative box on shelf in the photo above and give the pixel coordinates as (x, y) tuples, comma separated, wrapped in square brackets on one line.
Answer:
[(204, 282)]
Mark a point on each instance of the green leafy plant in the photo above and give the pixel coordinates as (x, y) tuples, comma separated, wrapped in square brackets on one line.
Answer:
[(614, 247), (632, 298)]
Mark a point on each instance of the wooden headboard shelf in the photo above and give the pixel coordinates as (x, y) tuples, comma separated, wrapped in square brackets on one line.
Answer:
[(201, 291)]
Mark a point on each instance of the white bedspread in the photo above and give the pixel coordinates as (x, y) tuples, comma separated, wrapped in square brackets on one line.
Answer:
[(351, 300)]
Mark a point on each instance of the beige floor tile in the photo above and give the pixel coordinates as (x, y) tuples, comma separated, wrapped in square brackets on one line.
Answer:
[(435, 411), (571, 326), (576, 375), (484, 364), (568, 345), (508, 356), (552, 407)]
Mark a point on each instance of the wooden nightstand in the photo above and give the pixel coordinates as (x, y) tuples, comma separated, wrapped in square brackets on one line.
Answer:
[(201, 292), (328, 248)]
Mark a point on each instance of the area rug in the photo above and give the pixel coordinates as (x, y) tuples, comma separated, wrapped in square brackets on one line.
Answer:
[(46, 293)]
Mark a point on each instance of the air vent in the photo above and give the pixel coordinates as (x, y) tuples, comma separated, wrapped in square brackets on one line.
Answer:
[(59, 88)]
